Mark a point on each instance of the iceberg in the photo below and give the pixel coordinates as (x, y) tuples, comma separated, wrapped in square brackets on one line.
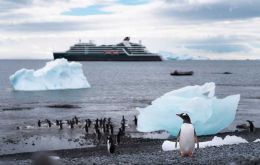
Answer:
[(208, 114), (170, 56), (216, 141), (55, 75)]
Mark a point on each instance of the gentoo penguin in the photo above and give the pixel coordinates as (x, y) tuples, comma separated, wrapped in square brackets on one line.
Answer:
[(122, 129), (135, 121), (118, 136), (111, 129), (110, 145), (39, 123), (251, 126), (86, 128), (123, 120), (72, 124), (49, 122), (61, 124), (76, 120), (57, 122), (187, 136)]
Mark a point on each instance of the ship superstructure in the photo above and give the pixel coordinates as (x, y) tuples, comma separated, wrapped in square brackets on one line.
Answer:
[(124, 51)]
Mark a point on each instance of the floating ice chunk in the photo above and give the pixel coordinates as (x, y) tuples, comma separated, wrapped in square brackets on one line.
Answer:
[(57, 74), (208, 114), (257, 140), (216, 141), (171, 56)]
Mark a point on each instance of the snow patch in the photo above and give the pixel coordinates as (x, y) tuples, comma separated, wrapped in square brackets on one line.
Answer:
[(208, 114), (55, 75), (216, 141)]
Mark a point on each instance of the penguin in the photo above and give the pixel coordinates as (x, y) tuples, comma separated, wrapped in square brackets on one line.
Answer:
[(110, 145), (107, 129), (72, 124), (109, 120), (98, 134), (61, 124), (100, 122), (39, 123), (111, 129), (118, 136), (187, 136), (49, 122), (123, 120), (89, 122), (104, 128), (57, 122), (86, 128), (76, 120), (251, 126), (135, 121), (96, 122), (122, 128)]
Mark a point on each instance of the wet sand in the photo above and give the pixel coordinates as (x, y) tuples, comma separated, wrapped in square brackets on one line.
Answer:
[(149, 151)]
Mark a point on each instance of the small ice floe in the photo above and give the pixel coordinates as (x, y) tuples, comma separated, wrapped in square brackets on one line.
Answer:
[(54, 157), (29, 127), (216, 141), (55, 75), (257, 140), (171, 56), (209, 114), (151, 135)]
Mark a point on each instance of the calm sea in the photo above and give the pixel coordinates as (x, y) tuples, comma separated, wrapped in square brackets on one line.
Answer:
[(119, 87)]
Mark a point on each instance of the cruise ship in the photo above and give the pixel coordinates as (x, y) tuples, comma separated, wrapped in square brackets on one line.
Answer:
[(124, 51)]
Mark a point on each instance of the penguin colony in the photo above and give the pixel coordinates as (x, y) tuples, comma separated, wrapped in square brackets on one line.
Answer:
[(102, 127)]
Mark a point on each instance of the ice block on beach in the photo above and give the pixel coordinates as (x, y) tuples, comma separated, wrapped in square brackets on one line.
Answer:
[(57, 74), (208, 114)]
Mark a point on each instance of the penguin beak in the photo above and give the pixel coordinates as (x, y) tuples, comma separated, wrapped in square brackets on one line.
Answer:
[(178, 115)]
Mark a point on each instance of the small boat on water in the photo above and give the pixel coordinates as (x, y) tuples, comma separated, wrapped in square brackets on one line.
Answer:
[(182, 73)]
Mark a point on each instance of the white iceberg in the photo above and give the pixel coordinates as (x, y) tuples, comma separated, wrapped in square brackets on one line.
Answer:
[(170, 56), (257, 140), (208, 114), (216, 141), (57, 74)]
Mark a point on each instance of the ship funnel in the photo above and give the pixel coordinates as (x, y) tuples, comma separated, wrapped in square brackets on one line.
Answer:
[(127, 39)]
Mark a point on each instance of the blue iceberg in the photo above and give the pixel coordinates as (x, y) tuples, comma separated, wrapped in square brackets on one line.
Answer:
[(208, 114), (55, 75)]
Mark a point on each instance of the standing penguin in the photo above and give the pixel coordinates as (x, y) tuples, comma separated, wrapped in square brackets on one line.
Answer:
[(135, 120), (110, 145), (251, 126), (39, 123), (187, 136)]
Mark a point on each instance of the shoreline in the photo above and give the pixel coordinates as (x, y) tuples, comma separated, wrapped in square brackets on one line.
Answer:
[(144, 150)]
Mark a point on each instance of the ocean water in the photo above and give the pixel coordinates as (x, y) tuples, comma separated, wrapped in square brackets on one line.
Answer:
[(117, 88)]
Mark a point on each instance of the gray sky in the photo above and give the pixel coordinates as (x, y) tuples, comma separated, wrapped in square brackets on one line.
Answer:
[(218, 29)]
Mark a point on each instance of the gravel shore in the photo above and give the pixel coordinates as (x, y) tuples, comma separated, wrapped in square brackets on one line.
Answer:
[(149, 151)]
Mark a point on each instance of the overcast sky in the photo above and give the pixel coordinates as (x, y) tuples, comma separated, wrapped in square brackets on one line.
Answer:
[(218, 29)]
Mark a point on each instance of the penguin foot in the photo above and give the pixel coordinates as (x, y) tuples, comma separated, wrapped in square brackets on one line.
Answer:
[(187, 154)]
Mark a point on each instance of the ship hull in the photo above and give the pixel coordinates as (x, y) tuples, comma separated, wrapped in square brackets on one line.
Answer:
[(106, 57)]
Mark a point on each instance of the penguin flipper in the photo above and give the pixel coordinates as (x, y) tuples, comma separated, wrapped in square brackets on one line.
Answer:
[(177, 139), (196, 139)]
